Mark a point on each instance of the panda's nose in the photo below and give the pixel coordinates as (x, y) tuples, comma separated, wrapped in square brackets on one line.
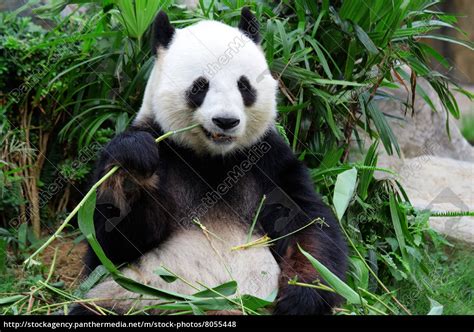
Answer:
[(226, 123)]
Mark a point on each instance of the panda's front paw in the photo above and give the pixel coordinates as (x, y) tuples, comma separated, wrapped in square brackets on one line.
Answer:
[(297, 300), (135, 152)]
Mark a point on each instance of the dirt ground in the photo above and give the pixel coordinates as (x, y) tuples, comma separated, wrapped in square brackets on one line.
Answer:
[(69, 261)]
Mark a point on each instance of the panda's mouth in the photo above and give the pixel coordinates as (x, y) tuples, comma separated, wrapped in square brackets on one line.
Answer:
[(218, 137)]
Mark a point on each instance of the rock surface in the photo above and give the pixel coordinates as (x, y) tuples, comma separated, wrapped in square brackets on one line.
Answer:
[(425, 132), (436, 171), (442, 184)]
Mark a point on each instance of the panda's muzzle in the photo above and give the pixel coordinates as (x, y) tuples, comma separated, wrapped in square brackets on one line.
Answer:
[(218, 137)]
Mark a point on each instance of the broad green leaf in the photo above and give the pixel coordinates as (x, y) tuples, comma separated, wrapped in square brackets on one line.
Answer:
[(93, 278), (360, 272), (333, 281), (397, 226), (321, 57), (367, 174), (11, 299), (384, 130), (227, 289), (165, 275), (204, 304), (254, 303), (196, 310), (343, 191), (365, 40)]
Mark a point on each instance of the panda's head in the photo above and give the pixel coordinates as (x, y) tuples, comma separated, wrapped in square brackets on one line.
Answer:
[(214, 75)]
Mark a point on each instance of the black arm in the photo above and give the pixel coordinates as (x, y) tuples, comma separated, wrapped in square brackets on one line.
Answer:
[(127, 218), (290, 205)]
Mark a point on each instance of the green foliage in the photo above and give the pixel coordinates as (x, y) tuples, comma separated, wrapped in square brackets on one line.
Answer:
[(343, 191), (467, 127), (11, 197), (21, 241), (330, 57), (10, 194), (30, 64), (451, 283)]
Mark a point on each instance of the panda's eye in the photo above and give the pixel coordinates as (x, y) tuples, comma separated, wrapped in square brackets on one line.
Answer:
[(197, 92), (249, 95)]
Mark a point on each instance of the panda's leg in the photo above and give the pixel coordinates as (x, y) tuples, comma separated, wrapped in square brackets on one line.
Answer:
[(224, 313), (300, 300), (322, 239), (80, 310), (88, 310)]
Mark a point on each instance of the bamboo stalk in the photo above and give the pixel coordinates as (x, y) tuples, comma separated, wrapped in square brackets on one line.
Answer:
[(29, 261), (266, 241), (249, 237)]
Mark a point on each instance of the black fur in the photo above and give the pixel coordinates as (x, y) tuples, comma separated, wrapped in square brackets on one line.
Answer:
[(79, 310), (197, 92), (133, 160), (154, 213), (162, 33), (249, 94), (249, 25)]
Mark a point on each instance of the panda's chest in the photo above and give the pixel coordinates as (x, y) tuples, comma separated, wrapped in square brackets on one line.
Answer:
[(214, 219), (233, 198)]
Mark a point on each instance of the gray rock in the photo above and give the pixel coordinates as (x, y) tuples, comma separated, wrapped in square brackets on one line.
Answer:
[(442, 184), (436, 171), (425, 132)]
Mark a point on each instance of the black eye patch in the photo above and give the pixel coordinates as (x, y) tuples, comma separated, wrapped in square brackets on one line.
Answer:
[(249, 94), (197, 92)]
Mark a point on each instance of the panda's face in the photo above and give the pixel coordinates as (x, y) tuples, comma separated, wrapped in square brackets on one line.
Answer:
[(213, 75)]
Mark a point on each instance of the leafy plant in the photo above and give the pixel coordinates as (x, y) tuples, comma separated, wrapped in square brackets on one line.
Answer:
[(31, 105), (331, 59)]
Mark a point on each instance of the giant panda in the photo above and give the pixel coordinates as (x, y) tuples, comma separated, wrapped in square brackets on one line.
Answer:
[(185, 202)]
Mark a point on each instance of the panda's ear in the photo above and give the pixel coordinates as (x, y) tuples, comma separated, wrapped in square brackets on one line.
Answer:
[(249, 25), (162, 33)]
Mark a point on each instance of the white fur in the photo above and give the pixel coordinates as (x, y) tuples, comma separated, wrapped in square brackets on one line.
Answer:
[(194, 257), (222, 54)]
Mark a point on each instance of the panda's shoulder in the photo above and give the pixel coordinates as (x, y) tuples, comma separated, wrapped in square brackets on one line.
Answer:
[(279, 156), (148, 125)]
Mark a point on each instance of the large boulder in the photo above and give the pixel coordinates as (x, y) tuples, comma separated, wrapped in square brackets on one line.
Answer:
[(436, 170), (441, 184), (425, 132)]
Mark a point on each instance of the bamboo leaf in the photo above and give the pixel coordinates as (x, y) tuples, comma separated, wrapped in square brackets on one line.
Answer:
[(365, 40), (333, 281), (11, 299), (343, 191), (165, 274), (397, 226), (227, 289), (366, 175)]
